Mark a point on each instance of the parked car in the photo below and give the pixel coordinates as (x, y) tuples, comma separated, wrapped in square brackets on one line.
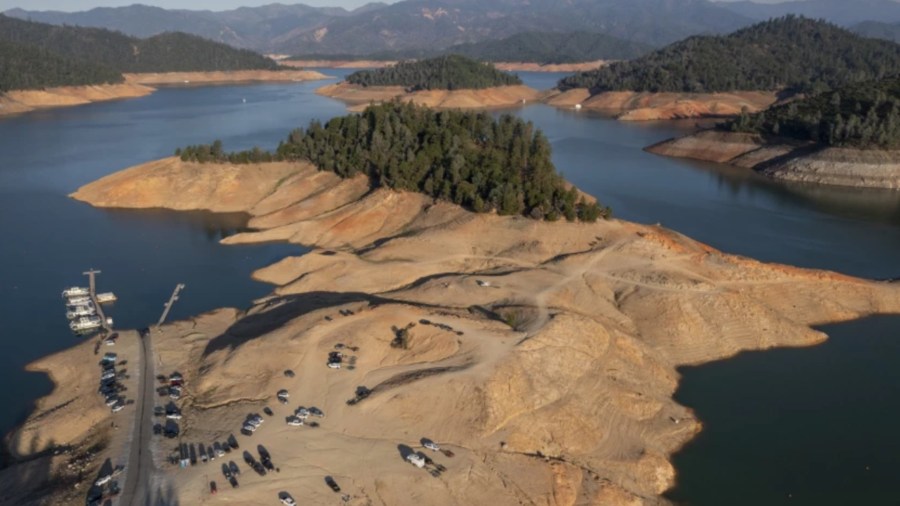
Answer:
[(316, 412), (212, 488), (332, 484)]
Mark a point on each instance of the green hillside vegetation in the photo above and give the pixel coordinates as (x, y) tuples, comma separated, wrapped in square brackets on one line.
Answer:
[(468, 158), (789, 53), (451, 72), (547, 47), (863, 115), (25, 67), (37, 55)]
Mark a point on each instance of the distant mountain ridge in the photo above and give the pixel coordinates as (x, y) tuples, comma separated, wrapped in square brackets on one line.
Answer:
[(256, 28), (411, 24), (878, 30), (841, 12)]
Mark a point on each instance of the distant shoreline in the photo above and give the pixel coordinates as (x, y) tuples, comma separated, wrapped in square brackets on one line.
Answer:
[(138, 85), (505, 66)]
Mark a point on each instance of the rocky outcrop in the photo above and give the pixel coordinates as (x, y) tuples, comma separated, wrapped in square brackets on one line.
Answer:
[(789, 160)]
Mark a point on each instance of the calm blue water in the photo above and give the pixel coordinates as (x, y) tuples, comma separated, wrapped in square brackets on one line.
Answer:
[(49, 240)]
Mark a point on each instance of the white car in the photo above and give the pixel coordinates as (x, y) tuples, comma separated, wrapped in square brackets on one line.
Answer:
[(255, 422), (108, 375), (288, 501), (302, 413), (103, 480), (334, 365), (294, 421), (173, 416), (117, 407), (431, 445), (249, 427)]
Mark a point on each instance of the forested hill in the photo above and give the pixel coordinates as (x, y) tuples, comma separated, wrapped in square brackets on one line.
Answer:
[(28, 67), (469, 158), (861, 115), (168, 52), (789, 53), (451, 72)]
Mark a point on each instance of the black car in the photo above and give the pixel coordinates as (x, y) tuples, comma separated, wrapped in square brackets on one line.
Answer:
[(268, 411), (232, 442), (157, 429), (331, 483), (233, 481)]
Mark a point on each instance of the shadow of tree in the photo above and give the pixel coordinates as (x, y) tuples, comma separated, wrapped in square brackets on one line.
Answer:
[(30, 476)]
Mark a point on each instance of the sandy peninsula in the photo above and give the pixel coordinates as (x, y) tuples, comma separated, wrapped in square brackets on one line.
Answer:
[(543, 355), (789, 160), (644, 106), (359, 97), (137, 85)]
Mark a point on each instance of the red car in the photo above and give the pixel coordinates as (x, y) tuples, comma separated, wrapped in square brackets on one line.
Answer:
[(212, 488)]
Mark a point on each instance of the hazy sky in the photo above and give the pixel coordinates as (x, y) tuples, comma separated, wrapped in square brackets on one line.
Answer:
[(218, 5)]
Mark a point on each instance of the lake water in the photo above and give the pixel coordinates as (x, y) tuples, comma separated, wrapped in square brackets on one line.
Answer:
[(49, 240)]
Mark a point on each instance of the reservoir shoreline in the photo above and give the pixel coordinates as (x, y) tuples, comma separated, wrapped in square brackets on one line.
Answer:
[(678, 265)]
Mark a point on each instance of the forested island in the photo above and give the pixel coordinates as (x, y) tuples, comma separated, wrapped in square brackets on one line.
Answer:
[(789, 53), (862, 115), (451, 72), (38, 55), (468, 158)]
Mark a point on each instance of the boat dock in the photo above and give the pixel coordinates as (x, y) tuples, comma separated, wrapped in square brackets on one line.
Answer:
[(92, 288)]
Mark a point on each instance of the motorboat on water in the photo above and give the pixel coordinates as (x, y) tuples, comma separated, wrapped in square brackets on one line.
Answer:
[(76, 311), (79, 300), (75, 291), (85, 323)]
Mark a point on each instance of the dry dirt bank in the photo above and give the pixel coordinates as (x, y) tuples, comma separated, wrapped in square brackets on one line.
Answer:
[(550, 376), (789, 160), (505, 66), (136, 85), (642, 106), (17, 102), (358, 97), (238, 76)]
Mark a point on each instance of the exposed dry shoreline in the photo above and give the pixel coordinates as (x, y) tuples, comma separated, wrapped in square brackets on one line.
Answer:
[(359, 97), (789, 160), (505, 66), (552, 383), (643, 106), (136, 85)]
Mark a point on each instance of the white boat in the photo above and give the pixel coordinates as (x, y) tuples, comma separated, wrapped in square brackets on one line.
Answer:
[(75, 291), (76, 311), (85, 323), (105, 297), (79, 300)]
